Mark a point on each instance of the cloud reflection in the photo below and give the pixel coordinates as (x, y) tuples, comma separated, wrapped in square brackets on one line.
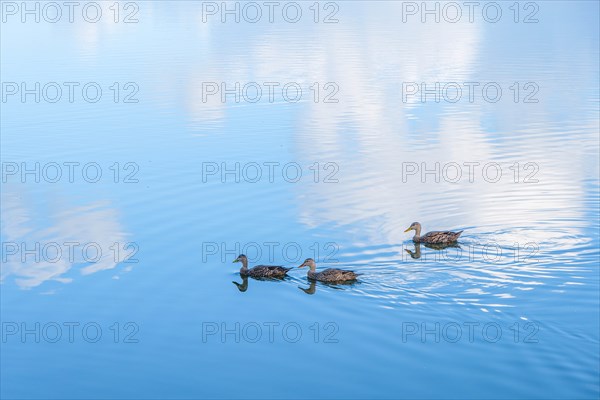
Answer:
[(95, 223)]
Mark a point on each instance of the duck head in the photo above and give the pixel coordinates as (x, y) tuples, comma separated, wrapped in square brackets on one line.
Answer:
[(309, 262), (415, 226), (243, 259)]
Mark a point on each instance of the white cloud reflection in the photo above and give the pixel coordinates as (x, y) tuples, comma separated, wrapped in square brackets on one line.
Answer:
[(371, 131), (26, 224)]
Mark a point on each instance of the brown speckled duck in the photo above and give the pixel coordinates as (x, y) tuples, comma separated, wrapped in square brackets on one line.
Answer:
[(261, 271), (328, 275), (435, 237)]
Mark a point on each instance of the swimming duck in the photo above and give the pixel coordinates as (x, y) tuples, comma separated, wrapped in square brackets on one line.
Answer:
[(328, 275), (435, 237), (261, 271)]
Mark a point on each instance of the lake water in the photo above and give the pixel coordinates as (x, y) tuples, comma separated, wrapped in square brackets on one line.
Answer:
[(160, 142)]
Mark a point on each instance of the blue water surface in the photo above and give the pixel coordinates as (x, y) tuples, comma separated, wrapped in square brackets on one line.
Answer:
[(190, 179)]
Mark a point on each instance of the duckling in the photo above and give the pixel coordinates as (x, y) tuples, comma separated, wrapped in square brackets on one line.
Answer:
[(436, 237), (261, 271), (328, 275)]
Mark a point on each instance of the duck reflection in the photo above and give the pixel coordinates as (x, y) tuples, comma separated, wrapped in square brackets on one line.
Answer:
[(311, 289), (416, 254), (341, 285), (242, 287)]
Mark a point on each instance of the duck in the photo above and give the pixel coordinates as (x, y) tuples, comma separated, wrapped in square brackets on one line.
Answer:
[(261, 271), (435, 237), (328, 275)]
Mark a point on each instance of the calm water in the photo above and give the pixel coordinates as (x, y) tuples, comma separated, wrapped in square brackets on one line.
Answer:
[(512, 312)]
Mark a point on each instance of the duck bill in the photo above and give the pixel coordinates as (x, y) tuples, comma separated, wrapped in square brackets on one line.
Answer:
[(407, 229), (236, 260), (303, 265)]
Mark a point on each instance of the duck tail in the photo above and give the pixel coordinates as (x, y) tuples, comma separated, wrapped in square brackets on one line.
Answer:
[(458, 233)]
